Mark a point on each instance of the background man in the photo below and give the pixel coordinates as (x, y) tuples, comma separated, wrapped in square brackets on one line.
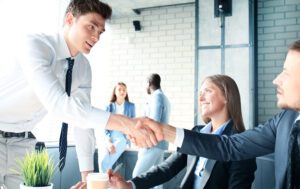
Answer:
[(158, 109)]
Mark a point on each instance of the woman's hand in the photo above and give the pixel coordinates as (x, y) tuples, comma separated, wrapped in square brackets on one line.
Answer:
[(79, 185), (116, 181), (111, 147)]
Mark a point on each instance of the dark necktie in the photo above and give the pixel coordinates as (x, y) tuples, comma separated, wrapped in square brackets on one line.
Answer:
[(294, 158), (63, 140)]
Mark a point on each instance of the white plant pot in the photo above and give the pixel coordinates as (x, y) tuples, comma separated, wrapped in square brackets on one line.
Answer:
[(22, 186)]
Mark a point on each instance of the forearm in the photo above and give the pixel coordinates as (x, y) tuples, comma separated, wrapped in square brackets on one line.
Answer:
[(163, 172), (85, 148), (169, 133), (120, 123), (84, 174)]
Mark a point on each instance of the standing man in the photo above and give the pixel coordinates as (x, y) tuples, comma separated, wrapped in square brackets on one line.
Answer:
[(158, 109), (279, 135), (51, 75)]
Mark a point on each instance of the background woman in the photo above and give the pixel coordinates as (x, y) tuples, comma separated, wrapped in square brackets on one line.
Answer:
[(116, 142)]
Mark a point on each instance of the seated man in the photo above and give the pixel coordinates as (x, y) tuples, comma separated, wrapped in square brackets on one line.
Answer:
[(221, 109)]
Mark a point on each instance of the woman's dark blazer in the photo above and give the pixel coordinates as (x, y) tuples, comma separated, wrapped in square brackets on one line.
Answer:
[(217, 174)]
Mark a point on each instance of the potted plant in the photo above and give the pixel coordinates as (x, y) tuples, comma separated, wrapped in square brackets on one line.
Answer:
[(37, 170)]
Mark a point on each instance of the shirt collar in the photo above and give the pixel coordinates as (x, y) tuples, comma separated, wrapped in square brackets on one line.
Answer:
[(121, 105), (157, 91), (62, 47), (219, 131)]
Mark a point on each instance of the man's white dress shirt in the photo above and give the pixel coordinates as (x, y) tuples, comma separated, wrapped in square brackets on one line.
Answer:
[(32, 83)]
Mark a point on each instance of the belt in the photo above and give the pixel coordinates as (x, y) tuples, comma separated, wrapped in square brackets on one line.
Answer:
[(19, 135)]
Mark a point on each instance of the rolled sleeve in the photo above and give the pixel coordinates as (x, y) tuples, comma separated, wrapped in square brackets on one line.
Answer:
[(98, 118), (86, 163), (85, 148)]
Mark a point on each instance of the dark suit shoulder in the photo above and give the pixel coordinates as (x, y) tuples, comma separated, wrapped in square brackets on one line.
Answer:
[(290, 114), (280, 120)]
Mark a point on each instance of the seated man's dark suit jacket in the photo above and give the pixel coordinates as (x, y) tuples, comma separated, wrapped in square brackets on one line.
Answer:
[(217, 175), (271, 137)]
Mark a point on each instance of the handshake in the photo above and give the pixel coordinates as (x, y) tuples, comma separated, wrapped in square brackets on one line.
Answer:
[(145, 132)]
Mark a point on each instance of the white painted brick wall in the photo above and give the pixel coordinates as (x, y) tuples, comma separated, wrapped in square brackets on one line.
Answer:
[(166, 45), (277, 28)]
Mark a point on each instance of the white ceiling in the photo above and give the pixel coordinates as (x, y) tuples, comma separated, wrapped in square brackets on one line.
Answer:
[(123, 8)]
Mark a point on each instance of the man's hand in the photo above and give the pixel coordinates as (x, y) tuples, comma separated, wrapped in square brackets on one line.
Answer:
[(154, 126), (143, 136), (162, 131), (116, 181), (154, 129), (79, 185)]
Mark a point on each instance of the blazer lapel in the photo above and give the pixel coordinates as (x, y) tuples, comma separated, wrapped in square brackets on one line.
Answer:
[(188, 178), (192, 161), (207, 171), (191, 165), (125, 108), (113, 107), (211, 163), (229, 130)]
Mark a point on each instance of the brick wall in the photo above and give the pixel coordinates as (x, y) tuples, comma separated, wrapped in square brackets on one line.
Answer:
[(165, 45), (278, 26)]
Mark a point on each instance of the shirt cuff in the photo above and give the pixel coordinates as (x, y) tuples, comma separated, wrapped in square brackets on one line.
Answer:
[(179, 137), (98, 118), (86, 163), (132, 184)]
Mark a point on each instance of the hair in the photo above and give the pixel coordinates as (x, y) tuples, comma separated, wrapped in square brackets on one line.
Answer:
[(231, 93), (295, 46), (154, 81), (113, 97), (81, 7)]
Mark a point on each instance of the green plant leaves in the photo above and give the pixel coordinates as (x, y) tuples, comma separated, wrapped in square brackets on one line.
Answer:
[(37, 168)]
